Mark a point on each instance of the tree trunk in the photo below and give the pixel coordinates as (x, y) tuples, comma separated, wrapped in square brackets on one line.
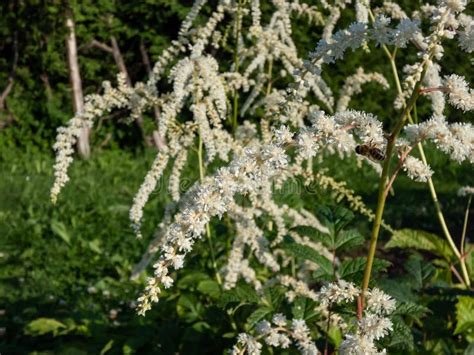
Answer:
[(159, 140), (12, 74), (83, 146), (123, 69), (114, 49)]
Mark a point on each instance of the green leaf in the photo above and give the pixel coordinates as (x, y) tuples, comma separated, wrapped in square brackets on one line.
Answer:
[(470, 349), (43, 326), (420, 270), (228, 298), (201, 327), (401, 336), (60, 230), (464, 315), (258, 315), (312, 233), (274, 295), (410, 238), (299, 307), (246, 293), (229, 335), (127, 349), (348, 239), (335, 336), (192, 279), (210, 288), (240, 294), (410, 309), (353, 269), (189, 308), (107, 347), (307, 253), (337, 217), (94, 245)]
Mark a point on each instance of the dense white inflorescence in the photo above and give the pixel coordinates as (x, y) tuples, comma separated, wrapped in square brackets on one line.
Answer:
[(417, 170), (459, 93), (466, 191), (250, 174), (456, 139), (374, 323), (279, 333), (298, 125), (359, 339)]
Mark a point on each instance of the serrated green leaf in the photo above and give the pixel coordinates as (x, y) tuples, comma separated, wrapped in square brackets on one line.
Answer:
[(246, 293), (335, 218), (257, 316), (312, 233), (401, 336), (307, 253), (464, 315), (43, 326), (239, 294), (227, 298), (352, 268), (348, 239), (416, 239), (410, 309), (419, 269)]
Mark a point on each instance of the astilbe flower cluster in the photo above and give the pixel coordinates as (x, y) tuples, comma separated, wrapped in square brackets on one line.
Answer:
[(251, 174), (279, 333), (374, 323), (197, 84), (359, 337), (300, 123)]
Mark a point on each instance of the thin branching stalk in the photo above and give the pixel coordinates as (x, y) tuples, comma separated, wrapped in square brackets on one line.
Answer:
[(208, 228), (401, 160), (464, 227), (383, 184), (236, 65), (434, 197), (328, 324), (270, 69)]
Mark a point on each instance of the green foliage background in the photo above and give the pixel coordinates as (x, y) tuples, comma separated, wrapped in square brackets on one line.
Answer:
[(64, 270)]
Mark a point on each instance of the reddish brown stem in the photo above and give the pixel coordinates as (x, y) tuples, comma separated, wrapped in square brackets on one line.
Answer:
[(456, 273), (428, 90), (397, 170), (360, 307)]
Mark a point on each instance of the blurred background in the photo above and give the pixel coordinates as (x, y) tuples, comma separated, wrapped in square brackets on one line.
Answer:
[(65, 269)]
